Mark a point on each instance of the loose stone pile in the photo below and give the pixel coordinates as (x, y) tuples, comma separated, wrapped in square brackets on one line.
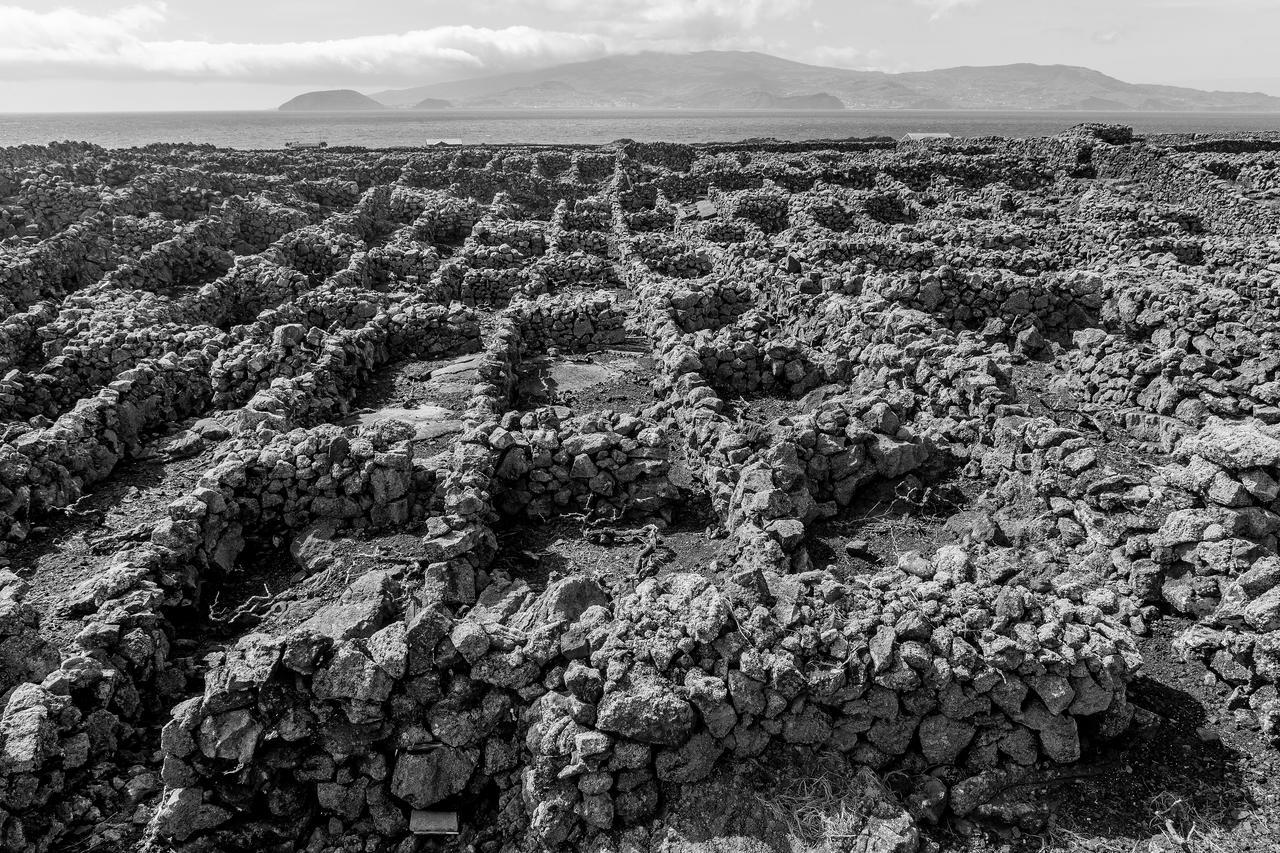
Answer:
[(1216, 558), (399, 535)]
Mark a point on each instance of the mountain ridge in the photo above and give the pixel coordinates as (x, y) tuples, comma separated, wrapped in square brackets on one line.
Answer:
[(751, 80)]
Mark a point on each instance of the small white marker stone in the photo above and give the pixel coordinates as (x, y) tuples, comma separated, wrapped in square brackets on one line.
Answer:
[(422, 822)]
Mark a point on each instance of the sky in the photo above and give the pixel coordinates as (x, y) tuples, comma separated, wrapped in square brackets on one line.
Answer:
[(71, 55)]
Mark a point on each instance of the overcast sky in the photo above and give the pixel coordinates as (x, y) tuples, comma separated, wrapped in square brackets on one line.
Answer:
[(250, 54)]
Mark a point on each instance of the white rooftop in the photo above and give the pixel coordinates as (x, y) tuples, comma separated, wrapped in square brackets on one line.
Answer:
[(920, 137)]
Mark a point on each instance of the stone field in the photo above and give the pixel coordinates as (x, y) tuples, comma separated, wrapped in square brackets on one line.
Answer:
[(897, 498)]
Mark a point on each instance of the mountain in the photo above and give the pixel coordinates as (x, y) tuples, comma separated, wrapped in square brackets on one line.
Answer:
[(433, 104), (762, 100), (332, 100), (1068, 87), (706, 80), (748, 80)]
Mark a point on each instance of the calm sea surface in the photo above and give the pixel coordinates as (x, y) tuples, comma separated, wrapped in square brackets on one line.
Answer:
[(270, 129)]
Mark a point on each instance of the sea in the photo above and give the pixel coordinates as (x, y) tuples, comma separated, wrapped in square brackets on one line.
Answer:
[(267, 129)]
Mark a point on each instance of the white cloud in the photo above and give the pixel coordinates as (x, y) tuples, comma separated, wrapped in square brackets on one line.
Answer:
[(123, 43), (1226, 5), (62, 43), (67, 30), (943, 7), (692, 20), (845, 57)]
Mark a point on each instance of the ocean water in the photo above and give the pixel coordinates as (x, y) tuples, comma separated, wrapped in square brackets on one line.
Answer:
[(271, 129)]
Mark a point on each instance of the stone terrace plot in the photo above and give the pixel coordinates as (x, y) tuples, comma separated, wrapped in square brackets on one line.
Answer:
[(907, 497)]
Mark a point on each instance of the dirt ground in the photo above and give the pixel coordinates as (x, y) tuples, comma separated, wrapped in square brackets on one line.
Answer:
[(619, 378), (429, 395), (1193, 776), (618, 555), (71, 546)]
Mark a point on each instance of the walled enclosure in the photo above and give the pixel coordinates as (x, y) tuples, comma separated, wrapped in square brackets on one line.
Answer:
[(343, 488)]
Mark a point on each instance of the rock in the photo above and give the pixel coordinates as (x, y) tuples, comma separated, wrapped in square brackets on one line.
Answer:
[(648, 711), (882, 644), (810, 726), (968, 794), (1261, 485), (359, 613), (1059, 736), (1054, 690), (584, 682), (183, 813), (422, 779), (711, 697), (1263, 613), (597, 810), (894, 458), (591, 744), (570, 597), (389, 650), (691, 762), (747, 693), (943, 739), (888, 827), (352, 674), (28, 734), (313, 548), (1235, 445), (1194, 525), (1260, 577), (288, 335), (231, 736), (928, 800), (471, 640), (1266, 656), (1090, 697)]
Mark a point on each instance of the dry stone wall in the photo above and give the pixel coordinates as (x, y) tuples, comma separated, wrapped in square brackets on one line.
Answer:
[(407, 383)]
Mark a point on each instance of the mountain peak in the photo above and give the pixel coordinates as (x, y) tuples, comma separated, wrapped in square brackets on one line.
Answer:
[(738, 79)]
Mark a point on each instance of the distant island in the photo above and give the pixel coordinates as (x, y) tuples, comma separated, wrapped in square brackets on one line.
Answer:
[(721, 80), (432, 104), (331, 100)]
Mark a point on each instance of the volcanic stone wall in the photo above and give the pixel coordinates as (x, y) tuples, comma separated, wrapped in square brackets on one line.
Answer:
[(855, 322)]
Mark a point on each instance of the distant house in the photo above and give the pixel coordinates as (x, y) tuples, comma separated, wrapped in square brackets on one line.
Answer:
[(924, 137)]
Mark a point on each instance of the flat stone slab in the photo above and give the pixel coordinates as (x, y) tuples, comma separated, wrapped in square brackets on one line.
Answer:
[(548, 377), (571, 376), (458, 375), (427, 421)]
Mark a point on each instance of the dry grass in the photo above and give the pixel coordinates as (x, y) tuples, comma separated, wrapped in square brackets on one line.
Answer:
[(1177, 826), (820, 804)]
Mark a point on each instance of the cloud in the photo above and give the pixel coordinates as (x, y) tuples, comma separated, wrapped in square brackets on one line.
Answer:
[(68, 43), (943, 7), (698, 22), (1217, 5), (67, 30), (845, 57), (122, 44)]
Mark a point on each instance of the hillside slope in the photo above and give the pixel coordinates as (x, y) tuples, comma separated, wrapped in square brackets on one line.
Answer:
[(331, 100), (740, 79)]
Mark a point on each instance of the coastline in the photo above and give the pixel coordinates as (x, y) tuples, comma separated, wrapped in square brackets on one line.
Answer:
[(265, 129)]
